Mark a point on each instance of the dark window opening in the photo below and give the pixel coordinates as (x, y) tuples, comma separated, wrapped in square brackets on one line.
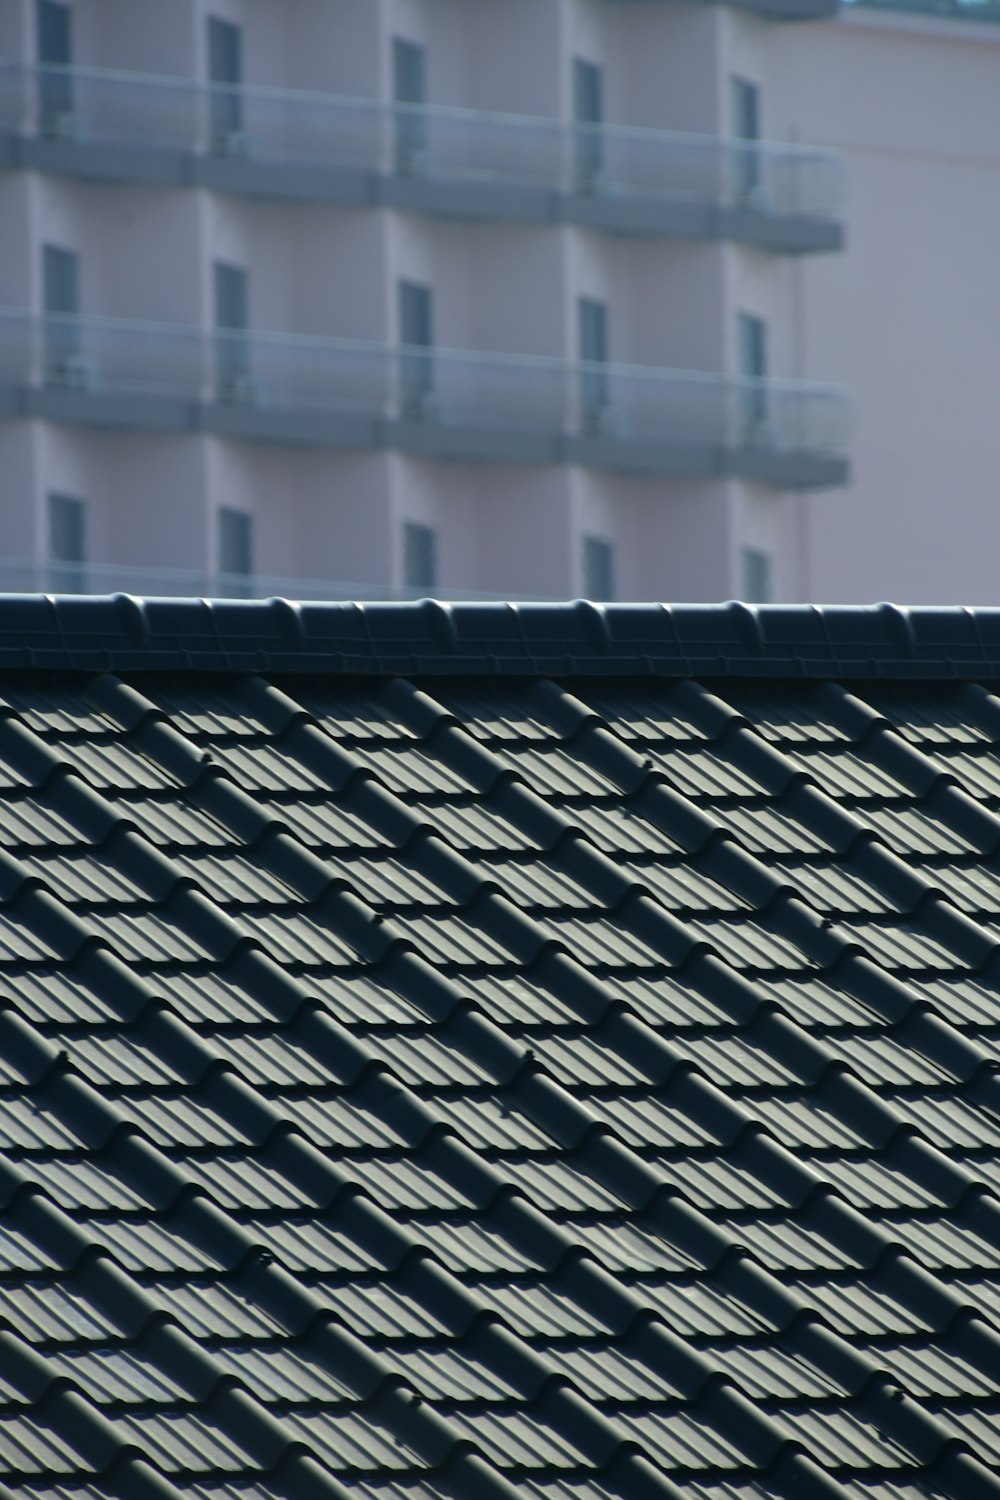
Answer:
[(409, 92), (67, 544), (231, 290), (746, 130), (752, 354), (64, 364), (235, 551), (225, 76), (756, 576), (592, 342), (416, 335), (598, 569), (588, 116), (419, 556), (54, 40)]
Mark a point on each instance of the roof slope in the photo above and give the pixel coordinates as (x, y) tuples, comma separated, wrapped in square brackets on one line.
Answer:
[(495, 1085)]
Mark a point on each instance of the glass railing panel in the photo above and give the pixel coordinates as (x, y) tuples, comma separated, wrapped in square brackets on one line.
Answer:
[(488, 391), (479, 147), (134, 358), (302, 373), (439, 387), (663, 407), (20, 575), (422, 141), (783, 180), (114, 108), (961, 10), (310, 129)]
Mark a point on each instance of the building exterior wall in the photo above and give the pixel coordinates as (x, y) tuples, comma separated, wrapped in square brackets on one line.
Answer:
[(329, 501), (906, 317)]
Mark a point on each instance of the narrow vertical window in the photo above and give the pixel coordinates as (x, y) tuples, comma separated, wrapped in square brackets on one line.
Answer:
[(235, 552), (756, 576), (588, 116), (67, 544), (416, 336), (598, 569), (54, 42), (419, 556), (745, 111), (409, 92), (592, 348), (751, 334), (231, 292), (225, 77), (61, 307)]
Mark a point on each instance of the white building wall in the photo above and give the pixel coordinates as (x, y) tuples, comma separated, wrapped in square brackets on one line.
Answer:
[(906, 316), (147, 252)]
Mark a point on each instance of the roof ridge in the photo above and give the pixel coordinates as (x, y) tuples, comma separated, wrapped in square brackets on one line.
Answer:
[(121, 632), (904, 1420), (565, 1406)]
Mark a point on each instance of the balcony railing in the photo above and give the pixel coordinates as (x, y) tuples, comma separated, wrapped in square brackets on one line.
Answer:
[(417, 144), (285, 387), (954, 10), (25, 575)]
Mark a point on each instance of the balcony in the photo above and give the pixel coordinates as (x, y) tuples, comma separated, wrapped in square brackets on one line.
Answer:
[(329, 392), (454, 163), (948, 10), (25, 575), (770, 10)]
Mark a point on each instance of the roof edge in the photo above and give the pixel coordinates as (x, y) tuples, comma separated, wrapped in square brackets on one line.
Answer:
[(120, 632)]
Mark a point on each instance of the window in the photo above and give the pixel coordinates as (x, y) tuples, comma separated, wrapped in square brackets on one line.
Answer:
[(419, 556), (235, 551), (54, 39), (588, 114), (231, 289), (409, 92), (225, 75), (592, 343), (67, 544), (61, 302), (756, 576), (751, 338), (416, 335), (598, 569), (745, 97)]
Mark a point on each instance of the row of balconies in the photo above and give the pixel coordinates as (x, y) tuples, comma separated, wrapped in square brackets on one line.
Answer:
[(26, 575), (286, 144), (313, 391)]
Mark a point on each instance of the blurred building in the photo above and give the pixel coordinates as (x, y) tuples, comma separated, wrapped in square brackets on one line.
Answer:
[(394, 296), (908, 317)]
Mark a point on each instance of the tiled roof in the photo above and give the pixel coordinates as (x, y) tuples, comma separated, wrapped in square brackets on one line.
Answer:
[(488, 1082)]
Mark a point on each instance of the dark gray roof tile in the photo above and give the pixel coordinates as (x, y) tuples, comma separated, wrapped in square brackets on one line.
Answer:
[(30, 1448), (275, 1164), (40, 1311), (345, 1441), (29, 823), (764, 830), (113, 767), (179, 1441)]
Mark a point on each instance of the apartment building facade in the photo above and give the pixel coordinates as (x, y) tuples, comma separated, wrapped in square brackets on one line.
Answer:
[(408, 296), (908, 318)]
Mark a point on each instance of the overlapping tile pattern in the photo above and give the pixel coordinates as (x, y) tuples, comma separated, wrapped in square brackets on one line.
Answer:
[(451, 1088)]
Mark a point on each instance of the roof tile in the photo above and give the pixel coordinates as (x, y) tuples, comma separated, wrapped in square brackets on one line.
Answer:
[(516, 1197)]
